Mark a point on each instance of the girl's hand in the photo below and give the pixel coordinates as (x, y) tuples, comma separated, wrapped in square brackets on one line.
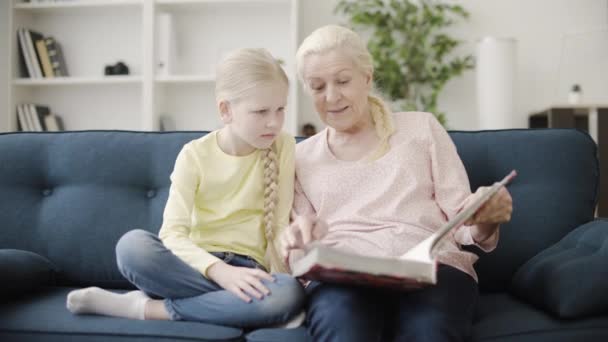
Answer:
[(301, 231), (242, 281)]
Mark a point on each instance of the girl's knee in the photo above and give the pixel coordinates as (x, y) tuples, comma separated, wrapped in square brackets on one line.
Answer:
[(286, 296), (131, 248), (288, 286)]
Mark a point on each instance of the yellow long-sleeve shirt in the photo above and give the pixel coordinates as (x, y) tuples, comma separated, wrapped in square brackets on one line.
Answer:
[(216, 201)]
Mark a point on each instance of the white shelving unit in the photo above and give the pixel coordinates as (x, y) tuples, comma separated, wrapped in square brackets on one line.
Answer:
[(95, 33)]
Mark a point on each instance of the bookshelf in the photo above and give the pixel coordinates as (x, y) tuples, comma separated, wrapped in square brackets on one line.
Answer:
[(96, 33)]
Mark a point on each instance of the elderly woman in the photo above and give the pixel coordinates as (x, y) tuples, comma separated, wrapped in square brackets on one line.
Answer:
[(378, 183)]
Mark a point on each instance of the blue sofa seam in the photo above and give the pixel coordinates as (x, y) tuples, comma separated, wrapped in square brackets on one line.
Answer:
[(103, 131), (240, 338), (543, 331)]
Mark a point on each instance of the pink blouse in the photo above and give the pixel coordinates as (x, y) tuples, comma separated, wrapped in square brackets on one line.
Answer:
[(387, 206)]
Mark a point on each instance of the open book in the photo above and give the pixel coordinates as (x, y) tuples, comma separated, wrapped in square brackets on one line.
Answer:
[(415, 269)]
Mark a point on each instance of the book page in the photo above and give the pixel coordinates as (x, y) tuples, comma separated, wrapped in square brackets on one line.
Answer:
[(424, 250)]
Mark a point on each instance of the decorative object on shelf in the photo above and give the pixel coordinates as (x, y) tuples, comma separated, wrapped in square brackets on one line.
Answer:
[(119, 68), (582, 68), (308, 130), (575, 95), (496, 69), (413, 55), (166, 123)]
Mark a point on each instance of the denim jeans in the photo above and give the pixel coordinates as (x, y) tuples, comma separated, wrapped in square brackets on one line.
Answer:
[(443, 312), (188, 295)]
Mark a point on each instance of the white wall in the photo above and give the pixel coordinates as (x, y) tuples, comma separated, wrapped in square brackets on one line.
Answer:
[(537, 25), (4, 29), (313, 14)]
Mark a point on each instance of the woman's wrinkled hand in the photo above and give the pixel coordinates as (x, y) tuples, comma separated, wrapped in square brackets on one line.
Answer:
[(495, 211), (302, 230)]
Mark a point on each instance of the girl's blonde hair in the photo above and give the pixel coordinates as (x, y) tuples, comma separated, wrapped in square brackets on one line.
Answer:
[(333, 37), (237, 76)]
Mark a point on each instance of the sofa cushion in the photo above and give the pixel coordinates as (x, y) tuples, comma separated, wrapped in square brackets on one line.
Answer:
[(44, 317), (556, 190), (569, 279), (23, 272), (504, 318)]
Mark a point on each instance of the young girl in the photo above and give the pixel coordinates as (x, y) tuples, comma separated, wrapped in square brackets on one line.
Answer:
[(230, 192)]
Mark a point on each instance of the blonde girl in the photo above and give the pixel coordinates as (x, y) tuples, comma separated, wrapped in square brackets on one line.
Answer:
[(230, 192)]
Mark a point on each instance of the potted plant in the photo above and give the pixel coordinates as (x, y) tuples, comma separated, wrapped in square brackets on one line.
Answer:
[(413, 54)]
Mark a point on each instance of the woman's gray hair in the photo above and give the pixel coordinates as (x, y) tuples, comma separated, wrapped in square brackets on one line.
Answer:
[(338, 38)]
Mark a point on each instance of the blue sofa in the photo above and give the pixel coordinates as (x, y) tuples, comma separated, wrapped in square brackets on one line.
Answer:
[(66, 198)]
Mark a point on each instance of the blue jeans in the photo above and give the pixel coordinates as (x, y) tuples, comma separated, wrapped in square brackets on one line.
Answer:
[(188, 295), (443, 312)]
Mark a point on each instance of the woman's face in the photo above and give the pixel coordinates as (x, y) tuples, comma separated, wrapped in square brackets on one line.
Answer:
[(339, 89)]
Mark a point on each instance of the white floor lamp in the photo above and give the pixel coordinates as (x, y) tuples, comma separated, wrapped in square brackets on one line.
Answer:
[(496, 72)]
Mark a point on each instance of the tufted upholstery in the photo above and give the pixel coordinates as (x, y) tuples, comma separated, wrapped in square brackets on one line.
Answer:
[(69, 196)]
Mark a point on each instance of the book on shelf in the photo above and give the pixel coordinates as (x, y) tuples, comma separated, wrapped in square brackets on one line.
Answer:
[(25, 61), (45, 61), (23, 68), (22, 123), (37, 118), (56, 56), (41, 112), (25, 118), (39, 56), (30, 37), (54, 123), (415, 269)]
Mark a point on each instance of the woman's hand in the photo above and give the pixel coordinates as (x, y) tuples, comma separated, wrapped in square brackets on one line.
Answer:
[(302, 230), (242, 281), (495, 211)]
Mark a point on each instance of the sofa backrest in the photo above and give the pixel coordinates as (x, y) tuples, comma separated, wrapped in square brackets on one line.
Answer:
[(70, 196), (555, 191)]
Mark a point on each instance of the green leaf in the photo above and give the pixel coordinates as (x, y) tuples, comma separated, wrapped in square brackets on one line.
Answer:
[(413, 55)]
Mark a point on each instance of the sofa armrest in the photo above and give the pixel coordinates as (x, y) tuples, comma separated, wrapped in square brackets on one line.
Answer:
[(570, 278), (24, 271)]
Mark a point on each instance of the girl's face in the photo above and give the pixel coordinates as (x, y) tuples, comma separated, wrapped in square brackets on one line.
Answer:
[(256, 120), (339, 89)]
